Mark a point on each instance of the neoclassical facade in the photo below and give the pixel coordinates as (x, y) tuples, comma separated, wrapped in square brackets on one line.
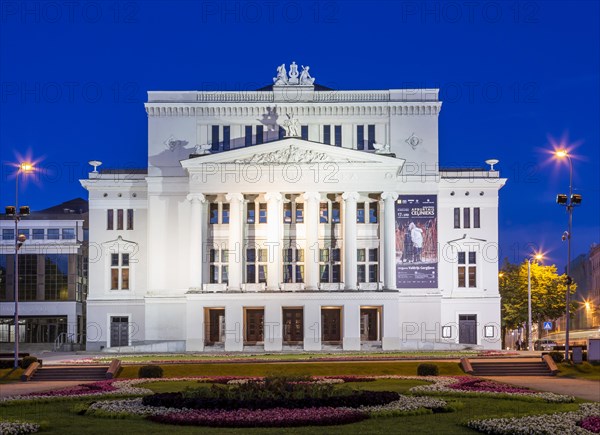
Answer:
[(293, 217)]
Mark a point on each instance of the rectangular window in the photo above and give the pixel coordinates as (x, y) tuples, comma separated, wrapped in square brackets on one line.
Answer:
[(281, 133), (367, 265), (119, 271), (38, 234), (461, 270), (28, 277), (338, 136), (467, 271), (214, 141), (476, 217), (213, 214), (259, 134), (248, 135), (56, 277), (287, 212), (53, 234), (329, 265), (251, 213), (110, 219), (256, 268), (68, 233), (466, 217), (372, 212), (120, 219), (225, 214), (360, 213), (218, 266), (8, 234), (361, 274), (335, 212), (293, 265), (304, 132), (226, 137), (371, 136), (130, 219), (299, 213), (456, 217), (262, 213), (360, 137), (327, 134), (323, 213)]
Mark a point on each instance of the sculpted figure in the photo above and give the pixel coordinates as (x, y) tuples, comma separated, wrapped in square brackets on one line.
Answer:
[(281, 78), (305, 78), (291, 126)]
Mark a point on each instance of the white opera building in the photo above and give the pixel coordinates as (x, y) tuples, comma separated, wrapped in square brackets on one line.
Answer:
[(293, 217)]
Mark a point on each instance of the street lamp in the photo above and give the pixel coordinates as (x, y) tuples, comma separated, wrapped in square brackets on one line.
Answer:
[(570, 202), (17, 213), (536, 257)]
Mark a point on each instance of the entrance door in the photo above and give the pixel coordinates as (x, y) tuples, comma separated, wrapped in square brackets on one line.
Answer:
[(331, 324), (293, 325), (369, 328), (216, 326), (119, 331), (467, 329), (254, 325)]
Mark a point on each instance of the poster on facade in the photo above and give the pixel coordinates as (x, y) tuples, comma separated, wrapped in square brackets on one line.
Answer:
[(416, 241)]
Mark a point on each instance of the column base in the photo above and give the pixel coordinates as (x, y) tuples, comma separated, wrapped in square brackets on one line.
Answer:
[(310, 344), (233, 345), (275, 345), (390, 343), (194, 345), (351, 343)]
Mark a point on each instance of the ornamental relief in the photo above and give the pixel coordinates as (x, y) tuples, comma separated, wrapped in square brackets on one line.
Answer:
[(292, 154)]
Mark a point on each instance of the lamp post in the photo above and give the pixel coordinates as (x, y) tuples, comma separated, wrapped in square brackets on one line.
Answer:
[(569, 203), (529, 338), (18, 212)]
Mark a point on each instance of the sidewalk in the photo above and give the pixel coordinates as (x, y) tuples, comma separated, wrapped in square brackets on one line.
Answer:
[(581, 388), (18, 388)]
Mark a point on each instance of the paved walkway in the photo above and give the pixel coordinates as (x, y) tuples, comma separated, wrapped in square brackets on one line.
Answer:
[(582, 388), (17, 388)]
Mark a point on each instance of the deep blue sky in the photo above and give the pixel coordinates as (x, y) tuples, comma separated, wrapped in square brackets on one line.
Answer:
[(513, 76)]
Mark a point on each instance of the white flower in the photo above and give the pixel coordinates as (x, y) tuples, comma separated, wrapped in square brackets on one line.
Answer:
[(18, 427)]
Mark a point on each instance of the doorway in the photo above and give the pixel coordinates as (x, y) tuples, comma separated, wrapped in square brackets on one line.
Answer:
[(293, 325), (255, 318), (331, 325), (215, 328), (467, 329), (370, 323)]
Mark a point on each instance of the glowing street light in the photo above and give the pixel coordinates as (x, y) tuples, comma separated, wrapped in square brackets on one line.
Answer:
[(17, 213), (569, 202), (536, 258)]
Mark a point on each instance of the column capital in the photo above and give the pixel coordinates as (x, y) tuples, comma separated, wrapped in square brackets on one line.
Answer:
[(386, 196), (231, 197), (192, 197), (312, 196), (273, 196), (350, 196)]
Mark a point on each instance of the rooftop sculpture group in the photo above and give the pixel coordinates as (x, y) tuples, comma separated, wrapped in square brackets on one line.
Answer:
[(283, 79)]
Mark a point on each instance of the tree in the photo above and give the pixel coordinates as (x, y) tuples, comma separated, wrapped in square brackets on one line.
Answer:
[(548, 294)]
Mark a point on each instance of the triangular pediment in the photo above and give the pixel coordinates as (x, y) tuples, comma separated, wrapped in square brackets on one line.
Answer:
[(292, 151)]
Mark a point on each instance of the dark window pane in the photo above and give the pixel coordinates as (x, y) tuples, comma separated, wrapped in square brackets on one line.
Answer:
[(225, 217), (335, 273), (130, 219), (360, 137), (304, 132), (120, 219), (299, 213), (335, 213), (38, 234), (324, 272), (213, 256), (360, 213), (114, 279), (214, 142), (214, 213), (53, 234), (262, 213), (466, 217), (457, 217), (250, 255), (361, 273), (114, 259), (327, 134), (472, 258), (251, 273), (125, 279), (335, 254), (473, 277), (110, 218), (323, 213), (477, 217), (373, 276), (371, 136), (226, 137), (373, 254), (125, 260), (461, 258), (248, 135), (287, 212), (251, 213), (259, 134), (461, 276), (338, 135), (372, 212), (281, 132)]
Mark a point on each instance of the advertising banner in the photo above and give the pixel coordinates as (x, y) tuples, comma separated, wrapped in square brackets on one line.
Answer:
[(416, 241)]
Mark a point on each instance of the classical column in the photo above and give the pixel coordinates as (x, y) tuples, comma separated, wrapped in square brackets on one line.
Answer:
[(311, 254), (196, 239), (389, 240), (236, 202), (274, 246), (350, 269)]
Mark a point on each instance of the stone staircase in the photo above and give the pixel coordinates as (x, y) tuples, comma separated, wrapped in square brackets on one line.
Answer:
[(511, 368), (70, 373)]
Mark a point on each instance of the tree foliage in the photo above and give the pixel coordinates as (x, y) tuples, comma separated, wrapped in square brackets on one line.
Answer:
[(548, 293)]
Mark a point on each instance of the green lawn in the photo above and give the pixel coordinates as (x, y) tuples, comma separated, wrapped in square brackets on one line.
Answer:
[(406, 368), (581, 371), (60, 418)]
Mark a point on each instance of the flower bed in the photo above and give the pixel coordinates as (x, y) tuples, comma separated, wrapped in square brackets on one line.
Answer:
[(275, 417), (591, 423), (18, 427), (549, 424)]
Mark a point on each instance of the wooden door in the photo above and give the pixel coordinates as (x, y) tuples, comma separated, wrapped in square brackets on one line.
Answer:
[(293, 325), (331, 324), (254, 325)]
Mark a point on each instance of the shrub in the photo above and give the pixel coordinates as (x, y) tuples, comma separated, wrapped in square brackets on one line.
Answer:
[(27, 361), (557, 356), (428, 370), (150, 371)]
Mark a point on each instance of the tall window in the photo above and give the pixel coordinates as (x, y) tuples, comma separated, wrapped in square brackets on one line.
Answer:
[(323, 213), (476, 217), (256, 265), (372, 207), (219, 266), (120, 219), (367, 265), (226, 137), (3, 274), (119, 271), (293, 265), (371, 136), (335, 212), (262, 212), (225, 213), (110, 219), (338, 136), (130, 219), (360, 137), (304, 132), (68, 233), (56, 277), (330, 265), (28, 277), (360, 213), (327, 134), (38, 234), (456, 217), (281, 132), (293, 212), (8, 234), (467, 269), (213, 213), (259, 134), (466, 217), (248, 135), (53, 234), (214, 141)]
